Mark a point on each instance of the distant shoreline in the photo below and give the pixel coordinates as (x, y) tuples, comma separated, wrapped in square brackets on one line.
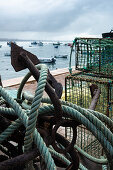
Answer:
[(6, 39)]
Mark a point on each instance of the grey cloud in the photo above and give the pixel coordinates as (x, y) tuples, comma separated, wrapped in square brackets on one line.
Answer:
[(57, 16)]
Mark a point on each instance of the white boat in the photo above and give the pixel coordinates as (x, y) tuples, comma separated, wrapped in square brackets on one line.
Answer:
[(40, 43), (57, 43), (7, 54), (61, 56), (47, 60), (9, 42)]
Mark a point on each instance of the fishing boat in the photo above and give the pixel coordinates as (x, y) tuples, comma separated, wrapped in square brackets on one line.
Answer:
[(108, 34), (70, 44), (47, 60), (34, 43), (58, 43), (55, 46), (61, 56), (40, 43), (7, 54), (9, 43)]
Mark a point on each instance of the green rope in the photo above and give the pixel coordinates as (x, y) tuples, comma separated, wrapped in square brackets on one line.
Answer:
[(79, 117), (92, 120), (35, 105), (37, 138), (69, 111), (70, 68), (27, 76)]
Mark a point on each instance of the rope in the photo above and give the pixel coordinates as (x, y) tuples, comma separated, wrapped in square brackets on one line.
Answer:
[(92, 120), (94, 117), (79, 117), (37, 138), (35, 105)]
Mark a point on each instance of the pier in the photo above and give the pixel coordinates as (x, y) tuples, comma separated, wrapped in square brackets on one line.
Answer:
[(14, 83)]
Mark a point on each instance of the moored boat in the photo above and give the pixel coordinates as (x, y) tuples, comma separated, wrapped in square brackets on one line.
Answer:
[(55, 46), (40, 43), (47, 60), (70, 44), (108, 34), (61, 56), (34, 43), (9, 43), (7, 54), (58, 43)]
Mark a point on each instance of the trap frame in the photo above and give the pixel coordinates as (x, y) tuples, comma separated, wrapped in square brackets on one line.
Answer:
[(78, 91), (94, 55)]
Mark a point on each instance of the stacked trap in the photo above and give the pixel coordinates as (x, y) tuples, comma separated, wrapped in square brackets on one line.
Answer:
[(94, 59), (94, 55), (30, 125)]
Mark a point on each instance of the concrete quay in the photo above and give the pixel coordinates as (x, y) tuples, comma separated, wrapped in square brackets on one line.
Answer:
[(31, 84)]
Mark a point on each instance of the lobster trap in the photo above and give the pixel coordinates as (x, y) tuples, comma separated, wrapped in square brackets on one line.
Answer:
[(78, 91), (94, 55)]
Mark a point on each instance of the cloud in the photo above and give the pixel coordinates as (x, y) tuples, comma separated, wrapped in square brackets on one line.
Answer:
[(61, 16)]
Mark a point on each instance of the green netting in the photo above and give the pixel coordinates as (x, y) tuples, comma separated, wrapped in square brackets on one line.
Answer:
[(94, 55), (77, 91)]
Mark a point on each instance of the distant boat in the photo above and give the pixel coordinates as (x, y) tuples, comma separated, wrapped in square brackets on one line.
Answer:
[(7, 54), (108, 34), (70, 44), (66, 44), (34, 43), (55, 46), (9, 42), (47, 60), (40, 43), (0, 46), (58, 43), (61, 56)]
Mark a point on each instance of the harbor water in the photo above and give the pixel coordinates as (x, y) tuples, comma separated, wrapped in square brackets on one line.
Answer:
[(48, 50)]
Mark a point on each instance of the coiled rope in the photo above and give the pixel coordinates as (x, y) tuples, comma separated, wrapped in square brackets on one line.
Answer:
[(92, 120)]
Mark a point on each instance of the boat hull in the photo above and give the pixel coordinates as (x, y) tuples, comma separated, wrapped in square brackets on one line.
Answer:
[(47, 60)]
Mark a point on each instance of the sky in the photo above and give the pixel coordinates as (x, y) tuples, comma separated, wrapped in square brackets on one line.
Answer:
[(55, 19)]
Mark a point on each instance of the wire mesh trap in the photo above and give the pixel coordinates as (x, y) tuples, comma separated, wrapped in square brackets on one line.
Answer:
[(78, 91), (94, 55)]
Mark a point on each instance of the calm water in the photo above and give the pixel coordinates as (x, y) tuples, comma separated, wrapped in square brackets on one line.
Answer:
[(45, 51)]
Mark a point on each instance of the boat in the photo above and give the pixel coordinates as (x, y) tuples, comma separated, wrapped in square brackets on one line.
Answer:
[(70, 44), (7, 54), (108, 34), (55, 46), (34, 43), (0, 46), (9, 42), (47, 60), (40, 43), (58, 43), (66, 44), (61, 56)]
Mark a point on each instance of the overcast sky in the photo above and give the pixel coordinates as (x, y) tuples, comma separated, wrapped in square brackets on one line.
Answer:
[(55, 19)]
